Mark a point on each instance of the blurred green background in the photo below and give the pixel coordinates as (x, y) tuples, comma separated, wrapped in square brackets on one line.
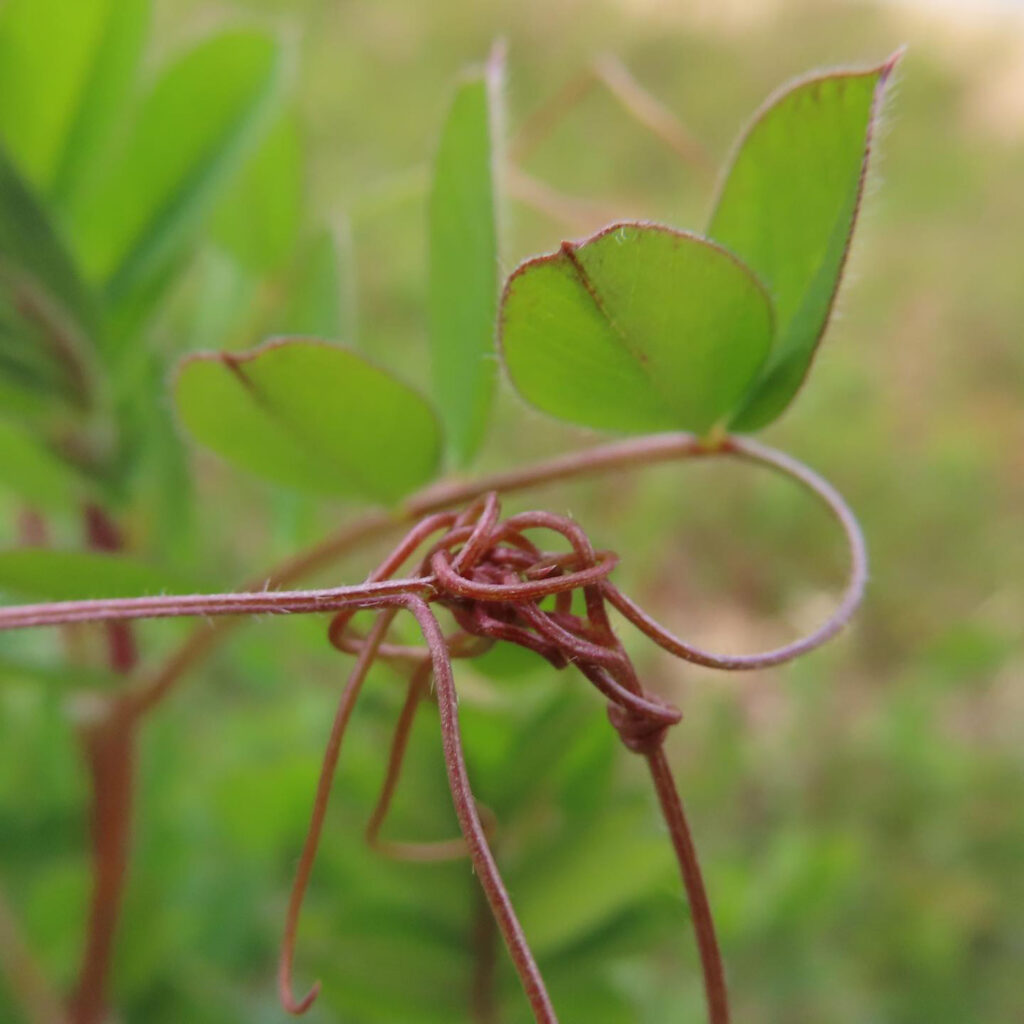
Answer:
[(859, 814)]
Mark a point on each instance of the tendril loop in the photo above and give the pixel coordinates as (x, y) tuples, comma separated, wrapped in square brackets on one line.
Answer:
[(498, 584)]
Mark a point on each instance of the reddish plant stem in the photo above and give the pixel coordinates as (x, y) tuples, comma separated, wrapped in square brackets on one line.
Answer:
[(430, 851), (109, 746), (421, 852), (204, 639), (649, 111), (273, 602), (686, 853), (540, 123), (346, 704), (104, 534), (646, 109), (436, 497), (462, 796), (633, 453), (469, 819)]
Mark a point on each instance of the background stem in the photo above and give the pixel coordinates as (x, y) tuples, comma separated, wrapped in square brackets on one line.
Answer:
[(109, 746), (700, 909)]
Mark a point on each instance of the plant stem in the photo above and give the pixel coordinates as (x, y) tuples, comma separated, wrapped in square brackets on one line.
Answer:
[(346, 704), (109, 745), (431, 851), (634, 453), (645, 108), (170, 606), (436, 497), (527, 576), (466, 811), (648, 110), (700, 909), (542, 121), (104, 534)]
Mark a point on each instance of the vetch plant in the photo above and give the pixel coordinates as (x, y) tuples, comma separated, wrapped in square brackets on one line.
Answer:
[(691, 340)]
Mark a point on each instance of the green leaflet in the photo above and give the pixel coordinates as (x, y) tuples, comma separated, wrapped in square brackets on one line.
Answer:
[(463, 293), (47, 314), (259, 218), (312, 416), (191, 134), (639, 328), (788, 208), (65, 73)]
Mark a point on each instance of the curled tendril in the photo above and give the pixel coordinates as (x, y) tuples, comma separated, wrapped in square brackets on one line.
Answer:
[(492, 578), (494, 581)]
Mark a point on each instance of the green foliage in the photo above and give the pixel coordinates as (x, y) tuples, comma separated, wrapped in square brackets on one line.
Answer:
[(191, 132), (47, 316), (788, 208), (638, 328), (853, 833), (464, 263), (46, 574), (104, 194), (316, 302), (260, 220), (33, 472), (18, 671), (592, 879), (312, 416), (641, 327), (76, 62)]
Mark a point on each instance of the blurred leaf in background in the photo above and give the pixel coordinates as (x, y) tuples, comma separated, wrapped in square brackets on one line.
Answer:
[(463, 285)]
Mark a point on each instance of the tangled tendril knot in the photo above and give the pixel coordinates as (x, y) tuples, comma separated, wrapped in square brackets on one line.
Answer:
[(498, 584)]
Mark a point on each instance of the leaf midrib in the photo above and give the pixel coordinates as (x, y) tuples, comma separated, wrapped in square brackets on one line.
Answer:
[(640, 360), (294, 432)]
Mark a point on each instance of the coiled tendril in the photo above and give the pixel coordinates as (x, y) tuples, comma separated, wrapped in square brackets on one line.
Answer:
[(495, 580)]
